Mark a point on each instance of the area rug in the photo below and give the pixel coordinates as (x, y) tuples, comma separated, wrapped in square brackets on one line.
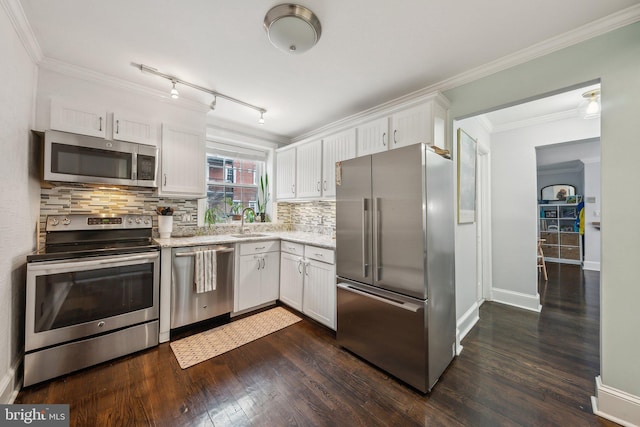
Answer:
[(197, 348)]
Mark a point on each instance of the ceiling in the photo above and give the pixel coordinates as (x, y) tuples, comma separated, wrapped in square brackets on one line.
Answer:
[(370, 52)]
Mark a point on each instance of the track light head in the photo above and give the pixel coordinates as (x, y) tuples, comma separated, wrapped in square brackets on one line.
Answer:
[(261, 119), (174, 92)]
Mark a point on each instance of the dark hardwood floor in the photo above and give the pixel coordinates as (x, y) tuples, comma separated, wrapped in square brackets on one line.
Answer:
[(518, 368)]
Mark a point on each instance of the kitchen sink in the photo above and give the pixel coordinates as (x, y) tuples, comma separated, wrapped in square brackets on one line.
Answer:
[(248, 235)]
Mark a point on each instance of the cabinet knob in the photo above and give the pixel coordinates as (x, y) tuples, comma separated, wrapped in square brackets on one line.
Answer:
[(384, 137), (395, 131)]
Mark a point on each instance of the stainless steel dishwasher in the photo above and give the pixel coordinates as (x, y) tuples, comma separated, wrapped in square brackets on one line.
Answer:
[(189, 307)]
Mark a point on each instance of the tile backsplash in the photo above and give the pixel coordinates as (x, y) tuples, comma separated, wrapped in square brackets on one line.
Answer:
[(315, 216)]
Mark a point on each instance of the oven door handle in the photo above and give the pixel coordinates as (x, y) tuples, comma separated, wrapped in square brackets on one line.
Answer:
[(89, 262)]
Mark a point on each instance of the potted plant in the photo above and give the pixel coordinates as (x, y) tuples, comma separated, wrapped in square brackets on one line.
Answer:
[(235, 208), (211, 216), (263, 197)]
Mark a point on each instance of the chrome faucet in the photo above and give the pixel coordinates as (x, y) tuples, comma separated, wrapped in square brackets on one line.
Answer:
[(242, 230)]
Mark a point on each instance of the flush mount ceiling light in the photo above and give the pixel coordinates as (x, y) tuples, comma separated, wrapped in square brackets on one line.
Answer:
[(174, 92), (593, 106), (292, 28)]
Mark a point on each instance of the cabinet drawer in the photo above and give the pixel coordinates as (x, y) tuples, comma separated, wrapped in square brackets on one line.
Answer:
[(569, 239), (259, 247), (550, 251), (570, 252), (319, 254), (292, 248)]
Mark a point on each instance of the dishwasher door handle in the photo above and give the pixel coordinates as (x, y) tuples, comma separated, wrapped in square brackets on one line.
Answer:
[(221, 251)]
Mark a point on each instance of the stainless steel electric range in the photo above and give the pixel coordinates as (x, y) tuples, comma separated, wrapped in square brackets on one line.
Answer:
[(92, 293)]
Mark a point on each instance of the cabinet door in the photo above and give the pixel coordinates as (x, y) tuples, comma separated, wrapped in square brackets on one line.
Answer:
[(249, 282), (127, 127), (309, 169), (335, 148), (291, 275), (286, 174), (269, 277), (373, 136), (411, 126), (319, 300), (78, 118), (183, 162)]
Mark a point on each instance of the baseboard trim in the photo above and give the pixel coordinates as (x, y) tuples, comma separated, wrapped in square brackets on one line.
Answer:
[(591, 265), (616, 405), (10, 384), (517, 299), (468, 320)]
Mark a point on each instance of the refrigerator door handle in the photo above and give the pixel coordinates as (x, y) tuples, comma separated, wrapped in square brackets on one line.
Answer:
[(365, 264), (400, 304), (376, 247)]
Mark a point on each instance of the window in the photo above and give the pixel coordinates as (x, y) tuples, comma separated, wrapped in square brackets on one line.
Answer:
[(232, 184)]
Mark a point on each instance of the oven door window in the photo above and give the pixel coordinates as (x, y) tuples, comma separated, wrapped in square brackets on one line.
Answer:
[(72, 298), (85, 161)]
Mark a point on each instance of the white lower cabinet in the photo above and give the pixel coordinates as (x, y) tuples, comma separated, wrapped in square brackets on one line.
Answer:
[(258, 275), (307, 281)]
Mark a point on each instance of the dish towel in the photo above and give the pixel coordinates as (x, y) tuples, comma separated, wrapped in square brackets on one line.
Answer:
[(205, 271)]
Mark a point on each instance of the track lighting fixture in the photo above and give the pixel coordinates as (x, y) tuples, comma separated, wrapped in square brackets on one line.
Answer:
[(174, 92)]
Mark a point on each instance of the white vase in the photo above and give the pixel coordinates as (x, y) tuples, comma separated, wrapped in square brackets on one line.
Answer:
[(165, 225)]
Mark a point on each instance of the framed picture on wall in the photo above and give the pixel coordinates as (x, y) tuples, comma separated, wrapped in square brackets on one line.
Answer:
[(466, 178)]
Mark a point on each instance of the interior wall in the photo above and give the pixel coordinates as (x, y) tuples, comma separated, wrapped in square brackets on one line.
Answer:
[(575, 178), (466, 255), (592, 197), (20, 195), (617, 65)]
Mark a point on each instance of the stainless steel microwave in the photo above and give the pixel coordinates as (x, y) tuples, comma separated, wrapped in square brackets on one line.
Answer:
[(78, 158)]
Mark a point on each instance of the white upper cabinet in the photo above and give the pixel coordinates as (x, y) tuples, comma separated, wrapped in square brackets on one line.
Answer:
[(373, 136), (309, 170), (78, 118), (286, 174), (127, 127), (335, 148), (183, 162), (411, 126)]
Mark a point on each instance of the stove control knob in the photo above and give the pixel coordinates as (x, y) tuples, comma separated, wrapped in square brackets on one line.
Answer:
[(130, 221), (66, 221), (54, 221), (146, 221), (138, 220)]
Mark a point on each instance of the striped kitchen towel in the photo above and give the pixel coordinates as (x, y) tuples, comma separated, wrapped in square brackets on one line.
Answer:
[(205, 271)]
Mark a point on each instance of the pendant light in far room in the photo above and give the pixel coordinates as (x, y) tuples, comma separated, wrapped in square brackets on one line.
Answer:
[(593, 105), (292, 28)]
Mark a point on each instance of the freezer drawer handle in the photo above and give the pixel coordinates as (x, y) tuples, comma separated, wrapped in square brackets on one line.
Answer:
[(400, 304)]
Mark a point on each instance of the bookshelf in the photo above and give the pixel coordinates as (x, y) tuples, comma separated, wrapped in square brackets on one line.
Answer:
[(556, 225)]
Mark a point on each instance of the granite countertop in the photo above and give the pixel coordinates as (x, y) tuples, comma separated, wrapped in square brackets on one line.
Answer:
[(315, 239)]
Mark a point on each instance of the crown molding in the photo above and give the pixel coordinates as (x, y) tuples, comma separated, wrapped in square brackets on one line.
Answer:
[(546, 172), (561, 115), (89, 75), (23, 29), (486, 124)]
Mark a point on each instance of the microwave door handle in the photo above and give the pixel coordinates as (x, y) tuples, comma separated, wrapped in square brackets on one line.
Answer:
[(134, 166)]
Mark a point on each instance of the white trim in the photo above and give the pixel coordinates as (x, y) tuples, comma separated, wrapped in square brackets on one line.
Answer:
[(468, 320), (21, 25), (10, 384), (616, 405), (591, 265), (532, 121), (517, 299)]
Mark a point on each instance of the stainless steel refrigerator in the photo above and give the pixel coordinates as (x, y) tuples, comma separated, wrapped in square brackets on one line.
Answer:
[(395, 262)]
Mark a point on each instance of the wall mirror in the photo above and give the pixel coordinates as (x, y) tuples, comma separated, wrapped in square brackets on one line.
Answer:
[(557, 192)]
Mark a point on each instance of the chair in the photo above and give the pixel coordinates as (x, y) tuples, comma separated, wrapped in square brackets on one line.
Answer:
[(541, 264)]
